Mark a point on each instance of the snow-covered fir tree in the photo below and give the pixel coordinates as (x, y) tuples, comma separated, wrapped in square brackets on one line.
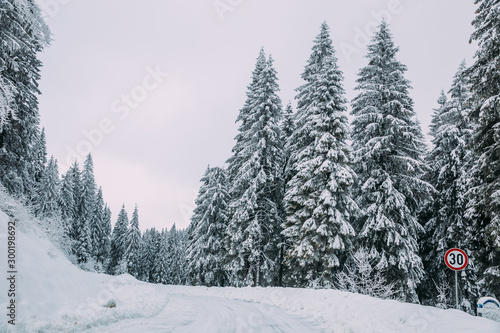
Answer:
[(255, 177), (287, 122), (450, 161), (160, 270), (389, 162), (206, 251), (23, 34), (40, 158), (106, 225), (236, 160), (176, 255), (287, 127), (86, 202), (83, 246), (242, 117), (88, 190), (318, 202), (67, 202), (485, 193), (99, 232), (46, 203), (117, 264), (148, 253), (133, 245)]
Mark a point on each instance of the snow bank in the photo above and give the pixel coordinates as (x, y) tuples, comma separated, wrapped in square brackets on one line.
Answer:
[(55, 296), (348, 312)]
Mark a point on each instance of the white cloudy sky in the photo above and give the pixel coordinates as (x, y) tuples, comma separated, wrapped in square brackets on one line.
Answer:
[(155, 155)]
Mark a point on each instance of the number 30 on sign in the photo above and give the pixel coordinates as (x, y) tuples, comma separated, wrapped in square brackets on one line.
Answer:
[(456, 259)]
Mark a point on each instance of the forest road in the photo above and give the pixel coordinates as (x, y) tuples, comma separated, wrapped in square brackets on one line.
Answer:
[(203, 314)]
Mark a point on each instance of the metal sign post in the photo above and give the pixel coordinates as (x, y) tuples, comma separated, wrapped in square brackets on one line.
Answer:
[(456, 260)]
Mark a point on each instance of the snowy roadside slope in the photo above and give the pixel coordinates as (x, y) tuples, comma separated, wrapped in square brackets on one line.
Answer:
[(344, 312), (46, 280), (55, 296)]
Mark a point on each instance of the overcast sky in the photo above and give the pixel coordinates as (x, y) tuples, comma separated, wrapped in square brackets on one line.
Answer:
[(105, 86)]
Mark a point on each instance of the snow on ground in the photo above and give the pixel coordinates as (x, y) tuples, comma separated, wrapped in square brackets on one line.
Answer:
[(55, 296)]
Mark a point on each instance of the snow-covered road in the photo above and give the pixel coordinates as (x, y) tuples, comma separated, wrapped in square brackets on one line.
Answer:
[(56, 296), (211, 314)]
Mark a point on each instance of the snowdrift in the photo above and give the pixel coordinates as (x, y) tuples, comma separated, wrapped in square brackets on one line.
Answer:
[(348, 312), (53, 295)]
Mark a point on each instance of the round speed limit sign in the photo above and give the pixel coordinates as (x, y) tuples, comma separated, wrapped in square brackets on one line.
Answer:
[(456, 259)]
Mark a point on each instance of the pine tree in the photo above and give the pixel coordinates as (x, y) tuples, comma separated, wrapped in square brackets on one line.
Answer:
[(86, 208), (485, 195), (106, 228), (450, 160), (287, 128), (206, 250), (47, 192), (160, 270), (23, 34), (237, 160), (88, 191), (182, 235), (389, 162), (175, 258), (133, 244), (40, 160), (83, 246), (255, 176), (251, 89), (287, 123), (148, 253), (317, 199), (67, 202), (118, 242), (98, 232)]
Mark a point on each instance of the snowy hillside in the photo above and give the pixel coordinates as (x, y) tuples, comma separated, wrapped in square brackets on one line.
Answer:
[(53, 295)]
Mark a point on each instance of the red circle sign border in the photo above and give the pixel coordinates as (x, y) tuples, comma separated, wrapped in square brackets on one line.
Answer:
[(451, 267)]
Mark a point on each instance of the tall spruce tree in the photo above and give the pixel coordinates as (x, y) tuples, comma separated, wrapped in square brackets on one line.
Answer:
[(318, 202), (69, 203), (118, 242), (107, 233), (287, 128), (161, 263), (133, 245), (237, 159), (485, 194), (176, 263), (40, 158), (46, 203), (88, 191), (450, 160), (85, 209), (206, 250), (389, 162), (98, 232), (287, 123), (148, 253), (23, 34), (255, 172)]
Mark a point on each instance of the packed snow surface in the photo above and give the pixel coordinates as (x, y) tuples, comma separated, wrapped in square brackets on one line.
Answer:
[(55, 296)]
